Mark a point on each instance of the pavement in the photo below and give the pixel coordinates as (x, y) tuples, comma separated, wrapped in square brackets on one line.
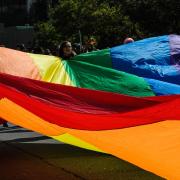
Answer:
[(26, 155)]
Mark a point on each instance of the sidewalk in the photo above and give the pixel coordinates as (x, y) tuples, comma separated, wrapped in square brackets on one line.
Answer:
[(26, 155)]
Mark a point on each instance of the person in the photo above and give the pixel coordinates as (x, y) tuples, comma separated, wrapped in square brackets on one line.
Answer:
[(47, 52), (77, 48), (38, 50), (128, 40), (65, 50), (91, 45), (3, 122), (21, 47)]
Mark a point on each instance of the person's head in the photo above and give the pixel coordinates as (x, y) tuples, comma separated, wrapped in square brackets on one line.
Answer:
[(128, 40), (91, 44), (47, 52), (21, 47), (65, 50), (38, 50), (92, 41), (77, 48)]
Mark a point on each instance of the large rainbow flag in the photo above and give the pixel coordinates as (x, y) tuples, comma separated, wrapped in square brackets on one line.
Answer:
[(124, 100)]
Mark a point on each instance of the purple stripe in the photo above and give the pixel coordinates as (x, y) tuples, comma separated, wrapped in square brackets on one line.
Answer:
[(174, 41)]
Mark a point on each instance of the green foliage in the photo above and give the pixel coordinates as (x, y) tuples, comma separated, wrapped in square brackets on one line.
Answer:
[(93, 18), (156, 17), (46, 35), (109, 21)]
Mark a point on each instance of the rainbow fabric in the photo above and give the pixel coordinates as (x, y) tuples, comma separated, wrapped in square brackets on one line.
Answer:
[(107, 100)]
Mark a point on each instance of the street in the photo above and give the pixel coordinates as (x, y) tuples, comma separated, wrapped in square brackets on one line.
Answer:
[(27, 155)]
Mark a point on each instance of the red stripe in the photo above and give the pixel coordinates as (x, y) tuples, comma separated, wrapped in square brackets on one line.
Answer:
[(79, 99), (57, 104)]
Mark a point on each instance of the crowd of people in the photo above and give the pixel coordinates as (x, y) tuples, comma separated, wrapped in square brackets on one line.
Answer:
[(66, 49)]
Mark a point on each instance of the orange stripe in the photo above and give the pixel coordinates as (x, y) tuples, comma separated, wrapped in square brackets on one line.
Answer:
[(18, 63), (28, 120), (19, 116), (154, 147)]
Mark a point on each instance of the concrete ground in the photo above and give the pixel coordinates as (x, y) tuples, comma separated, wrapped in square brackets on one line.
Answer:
[(26, 155)]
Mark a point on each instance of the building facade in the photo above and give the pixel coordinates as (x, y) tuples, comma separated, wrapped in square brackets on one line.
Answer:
[(17, 18), (14, 20), (20, 12), (15, 12), (15, 4)]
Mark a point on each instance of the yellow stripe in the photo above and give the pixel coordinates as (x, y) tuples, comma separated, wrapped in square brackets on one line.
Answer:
[(69, 139), (52, 69)]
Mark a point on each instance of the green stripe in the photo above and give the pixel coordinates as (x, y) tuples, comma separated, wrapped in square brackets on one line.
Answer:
[(101, 58), (91, 76)]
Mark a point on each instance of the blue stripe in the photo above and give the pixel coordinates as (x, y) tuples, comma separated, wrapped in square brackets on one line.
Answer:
[(148, 58), (163, 88)]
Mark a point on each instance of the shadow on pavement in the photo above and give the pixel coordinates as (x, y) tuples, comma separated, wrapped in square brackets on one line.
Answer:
[(40, 157), (9, 128), (14, 131), (31, 139)]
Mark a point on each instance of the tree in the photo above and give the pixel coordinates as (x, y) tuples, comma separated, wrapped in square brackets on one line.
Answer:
[(46, 35), (110, 21), (156, 17), (93, 18)]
